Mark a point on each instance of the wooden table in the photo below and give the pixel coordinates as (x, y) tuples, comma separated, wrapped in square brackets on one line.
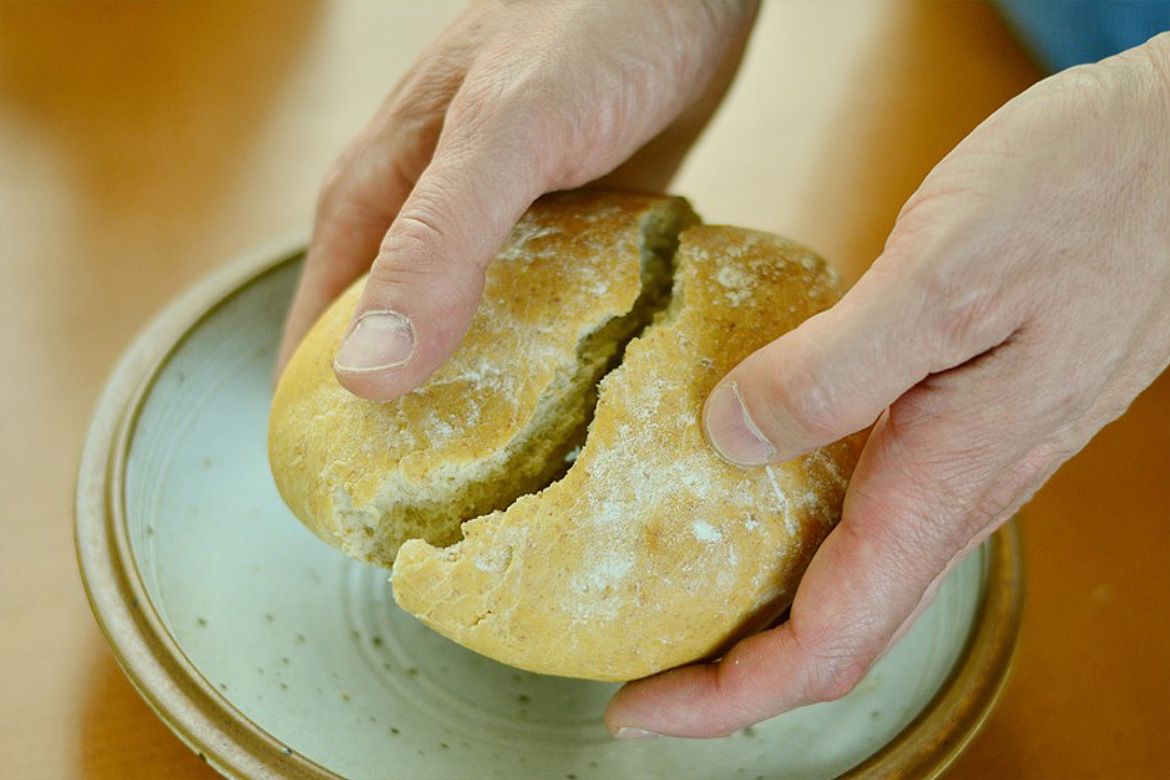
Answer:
[(143, 144)]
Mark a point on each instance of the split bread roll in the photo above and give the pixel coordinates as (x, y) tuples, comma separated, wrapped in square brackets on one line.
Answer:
[(650, 551)]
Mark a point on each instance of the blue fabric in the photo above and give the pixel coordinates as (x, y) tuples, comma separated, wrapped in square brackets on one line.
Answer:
[(1063, 33)]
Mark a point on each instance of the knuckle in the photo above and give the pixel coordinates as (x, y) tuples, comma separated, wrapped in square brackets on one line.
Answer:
[(960, 313), (495, 93), (1154, 58), (1072, 92), (970, 308), (422, 230), (531, 112), (733, 692), (1082, 80), (817, 410), (833, 677), (1092, 85), (419, 230), (956, 316), (957, 279), (834, 664), (424, 93), (412, 247), (531, 136), (797, 399), (414, 256)]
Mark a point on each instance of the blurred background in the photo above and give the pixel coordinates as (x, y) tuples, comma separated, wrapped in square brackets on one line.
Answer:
[(144, 144)]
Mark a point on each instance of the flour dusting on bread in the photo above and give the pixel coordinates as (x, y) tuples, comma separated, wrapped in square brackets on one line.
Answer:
[(603, 537), (649, 534), (497, 419)]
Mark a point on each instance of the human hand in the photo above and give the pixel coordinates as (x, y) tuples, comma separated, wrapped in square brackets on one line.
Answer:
[(514, 100), (1021, 303)]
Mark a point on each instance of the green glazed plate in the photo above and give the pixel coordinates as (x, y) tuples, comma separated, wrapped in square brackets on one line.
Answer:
[(273, 655)]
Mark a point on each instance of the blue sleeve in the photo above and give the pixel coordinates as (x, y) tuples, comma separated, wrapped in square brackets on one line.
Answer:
[(1063, 33)]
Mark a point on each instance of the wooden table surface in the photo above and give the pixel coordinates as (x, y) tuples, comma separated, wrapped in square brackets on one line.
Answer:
[(141, 145)]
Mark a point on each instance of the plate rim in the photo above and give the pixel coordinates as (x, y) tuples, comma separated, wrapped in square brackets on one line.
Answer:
[(235, 746)]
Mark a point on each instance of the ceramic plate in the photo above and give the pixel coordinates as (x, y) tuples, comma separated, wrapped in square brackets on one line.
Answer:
[(273, 655)]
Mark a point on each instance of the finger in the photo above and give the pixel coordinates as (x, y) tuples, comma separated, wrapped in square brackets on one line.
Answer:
[(835, 373), (370, 181), (939, 473), (859, 589), (651, 168), (428, 276), (348, 228)]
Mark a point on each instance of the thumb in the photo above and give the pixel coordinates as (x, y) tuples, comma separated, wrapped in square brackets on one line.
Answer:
[(427, 279), (835, 373)]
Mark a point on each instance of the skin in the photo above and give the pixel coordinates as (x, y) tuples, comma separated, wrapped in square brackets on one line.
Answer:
[(1021, 303), (488, 120)]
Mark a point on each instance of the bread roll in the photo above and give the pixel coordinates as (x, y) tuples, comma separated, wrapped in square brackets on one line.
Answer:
[(650, 551), (580, 274)]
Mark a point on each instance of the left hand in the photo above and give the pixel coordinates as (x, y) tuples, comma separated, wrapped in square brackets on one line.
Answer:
[(514, 99), (1021, 303)]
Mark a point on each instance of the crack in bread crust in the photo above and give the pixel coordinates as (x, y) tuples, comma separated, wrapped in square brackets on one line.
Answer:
[(580, 275), (651, 552), (648, 551)]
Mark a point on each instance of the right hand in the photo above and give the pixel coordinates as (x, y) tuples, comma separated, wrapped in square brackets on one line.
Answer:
[(1019, 305), (514, 100)]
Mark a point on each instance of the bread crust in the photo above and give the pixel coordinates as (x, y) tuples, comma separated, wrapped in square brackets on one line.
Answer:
[(496, 419), (650, 552)]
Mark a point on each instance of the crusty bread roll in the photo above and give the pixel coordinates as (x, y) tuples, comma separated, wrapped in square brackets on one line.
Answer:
[(650, 551), (580, 274)]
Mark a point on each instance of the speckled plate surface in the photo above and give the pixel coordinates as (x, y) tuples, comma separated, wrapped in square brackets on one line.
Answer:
[(273, 655)]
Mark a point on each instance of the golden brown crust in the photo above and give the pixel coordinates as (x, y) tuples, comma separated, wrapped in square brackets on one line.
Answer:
[(650, 552), (365, 476)]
